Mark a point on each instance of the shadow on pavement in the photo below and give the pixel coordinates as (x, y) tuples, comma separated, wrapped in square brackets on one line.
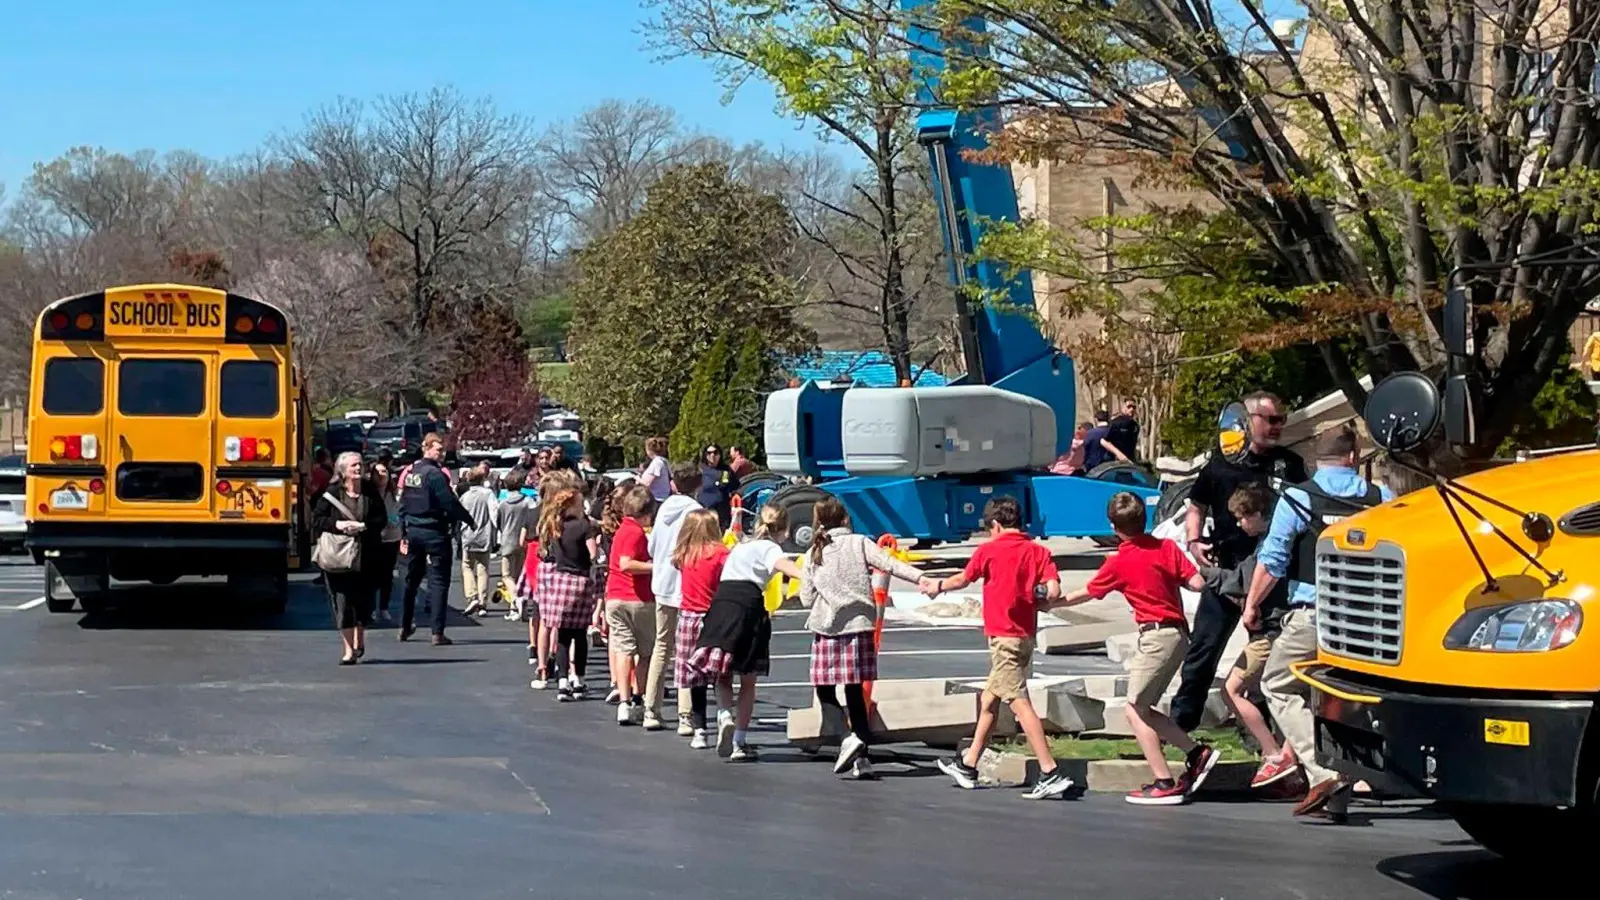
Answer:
[(1465, 874), (438, 661)]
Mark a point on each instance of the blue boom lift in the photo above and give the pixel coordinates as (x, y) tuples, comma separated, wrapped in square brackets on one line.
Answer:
[(921, 463)]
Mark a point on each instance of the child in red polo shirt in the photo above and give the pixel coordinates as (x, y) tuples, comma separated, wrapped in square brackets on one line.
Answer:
[(1012, 567), (1148, 572)]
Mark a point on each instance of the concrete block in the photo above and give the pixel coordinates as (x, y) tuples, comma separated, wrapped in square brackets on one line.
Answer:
[(1100, 687), (1065, 711), (1019, 769), (1114, 721), (929, 711), (1066, 639), (1121, 647)]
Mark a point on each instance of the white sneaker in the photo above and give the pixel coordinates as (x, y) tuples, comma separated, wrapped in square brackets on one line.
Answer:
[(850, 750), (684, 728), (539, 684), (861, 769), (580, 691), (743, 753), (624, 714), (614, 696), (699, 741), (725, 733), (383, 617), (652, 722)]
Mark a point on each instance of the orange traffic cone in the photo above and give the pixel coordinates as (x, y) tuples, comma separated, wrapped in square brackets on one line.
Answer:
[(736, 523), (880, 596)]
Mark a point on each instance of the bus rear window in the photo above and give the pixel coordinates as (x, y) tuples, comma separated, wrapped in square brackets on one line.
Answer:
[(74, 386), (249, 389), (161, 387)]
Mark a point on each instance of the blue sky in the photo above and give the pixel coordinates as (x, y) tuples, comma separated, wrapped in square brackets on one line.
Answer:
[(220, 77)]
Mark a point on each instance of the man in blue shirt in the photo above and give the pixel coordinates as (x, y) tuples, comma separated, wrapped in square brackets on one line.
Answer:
[(1289, 550)]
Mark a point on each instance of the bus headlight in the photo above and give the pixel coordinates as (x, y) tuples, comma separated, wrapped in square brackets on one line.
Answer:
[(1528, 627)]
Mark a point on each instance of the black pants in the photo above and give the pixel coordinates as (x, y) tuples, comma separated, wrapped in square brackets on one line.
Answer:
[(855, 699), (430, 557), (697, 707), (572, 650), (1214, 622), (382, 571)]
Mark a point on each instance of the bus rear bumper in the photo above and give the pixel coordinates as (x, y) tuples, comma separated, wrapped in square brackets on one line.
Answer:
[(1492, 748), (158, 550)]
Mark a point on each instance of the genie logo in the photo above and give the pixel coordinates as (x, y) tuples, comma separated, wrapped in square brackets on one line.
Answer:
[(869, 428)]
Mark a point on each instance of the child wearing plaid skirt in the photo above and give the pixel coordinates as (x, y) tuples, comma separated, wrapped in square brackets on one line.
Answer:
[(566, 590), (838, 590), (699, 556), (736, 636)]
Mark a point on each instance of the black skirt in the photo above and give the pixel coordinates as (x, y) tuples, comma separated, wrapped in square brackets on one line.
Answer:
[(736, 636), (350, 594)]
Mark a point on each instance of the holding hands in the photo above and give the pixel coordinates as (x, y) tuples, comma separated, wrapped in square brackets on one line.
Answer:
[(929, 586)]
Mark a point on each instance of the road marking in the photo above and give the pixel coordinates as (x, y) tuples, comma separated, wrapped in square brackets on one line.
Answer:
[(888, 629), (37, 601), (985, 652)]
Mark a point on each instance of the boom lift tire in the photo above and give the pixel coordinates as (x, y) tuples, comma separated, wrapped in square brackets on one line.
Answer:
[(1131, 474), (1173, 499), (797, 501)]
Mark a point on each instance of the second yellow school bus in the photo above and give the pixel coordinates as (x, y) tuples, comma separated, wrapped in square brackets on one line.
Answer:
[(167, 436)]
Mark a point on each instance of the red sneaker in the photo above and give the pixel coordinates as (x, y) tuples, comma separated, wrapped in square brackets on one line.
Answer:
[(1201, 760), (1173, 793), (1273, 771)]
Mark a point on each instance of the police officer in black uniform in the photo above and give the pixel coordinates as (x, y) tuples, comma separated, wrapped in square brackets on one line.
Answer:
[(429, 513)]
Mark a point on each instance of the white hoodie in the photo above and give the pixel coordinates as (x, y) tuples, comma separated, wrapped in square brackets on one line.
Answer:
[(664, 580)]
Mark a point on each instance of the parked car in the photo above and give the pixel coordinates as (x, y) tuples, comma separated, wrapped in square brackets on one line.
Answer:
[(13, 504), (403, 439), (344, 436)]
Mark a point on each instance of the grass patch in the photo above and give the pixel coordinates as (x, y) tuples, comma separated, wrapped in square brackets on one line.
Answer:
[(1227, 741)]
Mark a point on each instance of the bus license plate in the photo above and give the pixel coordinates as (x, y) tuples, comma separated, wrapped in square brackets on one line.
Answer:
[(69, 498)]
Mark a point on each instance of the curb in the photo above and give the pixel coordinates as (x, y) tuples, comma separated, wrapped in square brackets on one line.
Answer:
[(1114, 776)]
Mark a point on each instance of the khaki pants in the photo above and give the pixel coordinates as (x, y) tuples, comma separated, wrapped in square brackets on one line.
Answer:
[(661, 661), (1150, 672), (1010, 664), (475, 576), (1288, 697), (510, 571), (632, 626)]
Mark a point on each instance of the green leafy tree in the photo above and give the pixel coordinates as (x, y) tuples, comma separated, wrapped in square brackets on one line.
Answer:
[(704, 414), (546, 320), (754, 371), (705, 257), (1362, 164)]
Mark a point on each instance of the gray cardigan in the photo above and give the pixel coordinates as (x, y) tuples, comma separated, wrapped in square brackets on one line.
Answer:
[(838, 590)]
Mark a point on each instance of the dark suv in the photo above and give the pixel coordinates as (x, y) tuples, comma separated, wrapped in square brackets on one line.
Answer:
[(403, 438)]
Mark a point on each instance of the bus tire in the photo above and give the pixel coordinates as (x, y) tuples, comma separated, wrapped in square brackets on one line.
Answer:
[(797, 501), (62, 591), (265, 594), (1527, 833)]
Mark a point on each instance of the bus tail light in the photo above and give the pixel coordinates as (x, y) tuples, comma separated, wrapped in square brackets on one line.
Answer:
[(224, 487), (247, 449), (97, 486), (75, 447)]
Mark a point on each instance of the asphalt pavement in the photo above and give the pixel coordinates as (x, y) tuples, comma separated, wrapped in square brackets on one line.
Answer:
[(172, 748)]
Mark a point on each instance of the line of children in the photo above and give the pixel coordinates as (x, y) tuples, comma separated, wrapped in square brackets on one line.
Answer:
[(700, 556), (566, 590), (630, 602)]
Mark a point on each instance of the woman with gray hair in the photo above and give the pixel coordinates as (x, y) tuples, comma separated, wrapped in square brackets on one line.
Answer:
[(351, 507)]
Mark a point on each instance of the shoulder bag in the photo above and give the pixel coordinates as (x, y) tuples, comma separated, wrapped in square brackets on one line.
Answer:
[(337, 552)]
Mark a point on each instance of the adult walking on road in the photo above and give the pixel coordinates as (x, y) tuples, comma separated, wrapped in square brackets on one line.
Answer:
[(1289, 551), (718, 483), (429, 512), (352, 509), (657, 475), (477, 542), (1263, 462), (389, 547)]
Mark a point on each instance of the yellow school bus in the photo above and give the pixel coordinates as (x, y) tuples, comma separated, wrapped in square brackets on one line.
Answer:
[(1455, 656), (167, 437)]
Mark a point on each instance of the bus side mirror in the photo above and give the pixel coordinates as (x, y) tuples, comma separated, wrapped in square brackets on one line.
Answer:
[(1233, 429), (1456, 307), (1403, 411)]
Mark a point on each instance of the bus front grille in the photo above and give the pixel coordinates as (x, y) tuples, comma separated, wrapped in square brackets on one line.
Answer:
[(1361, 602)]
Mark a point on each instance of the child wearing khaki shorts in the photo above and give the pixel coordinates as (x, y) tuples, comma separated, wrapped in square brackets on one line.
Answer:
[(1013, 568), (1149, 572)]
